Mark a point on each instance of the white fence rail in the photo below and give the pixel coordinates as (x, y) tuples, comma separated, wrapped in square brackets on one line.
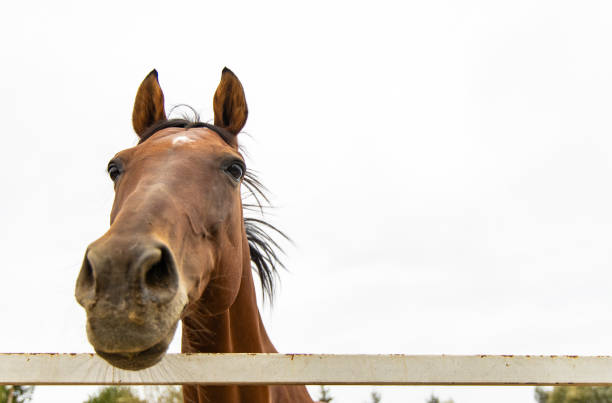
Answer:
[(310, 369)]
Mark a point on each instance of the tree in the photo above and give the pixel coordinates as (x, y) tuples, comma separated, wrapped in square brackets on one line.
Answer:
[(541, 395), (325, 395), (375, 397), (16, 394), (433, 399), (114, 394), (574, 394)]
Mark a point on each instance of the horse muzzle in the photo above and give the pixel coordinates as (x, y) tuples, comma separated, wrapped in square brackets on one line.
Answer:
[(130, 291)]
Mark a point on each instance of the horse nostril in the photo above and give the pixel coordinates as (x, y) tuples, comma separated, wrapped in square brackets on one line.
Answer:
[(87, 278), (160, 275), (85, 286)]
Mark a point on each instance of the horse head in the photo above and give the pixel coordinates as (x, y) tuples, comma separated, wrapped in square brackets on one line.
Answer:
[(177, 235)]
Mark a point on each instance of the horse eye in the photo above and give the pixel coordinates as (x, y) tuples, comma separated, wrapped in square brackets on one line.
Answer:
[(236, 170), (113, 172)]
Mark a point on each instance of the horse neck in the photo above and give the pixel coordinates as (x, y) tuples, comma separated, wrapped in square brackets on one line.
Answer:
[(236, 330)]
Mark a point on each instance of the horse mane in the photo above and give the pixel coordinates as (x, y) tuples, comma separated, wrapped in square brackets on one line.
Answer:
[(264, 250)]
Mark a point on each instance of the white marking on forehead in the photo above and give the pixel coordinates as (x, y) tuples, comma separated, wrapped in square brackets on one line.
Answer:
[(182, 139)]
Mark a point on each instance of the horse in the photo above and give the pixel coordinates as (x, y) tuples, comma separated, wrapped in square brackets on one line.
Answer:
[(180, 248)]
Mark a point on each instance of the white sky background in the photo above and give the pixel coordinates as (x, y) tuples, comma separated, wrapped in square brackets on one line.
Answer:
[(443, 167)]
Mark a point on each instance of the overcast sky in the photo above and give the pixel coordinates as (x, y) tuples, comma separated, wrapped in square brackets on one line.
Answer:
[(443, 167)]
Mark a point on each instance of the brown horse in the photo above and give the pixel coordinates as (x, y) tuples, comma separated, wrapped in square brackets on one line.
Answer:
[(179, 247)]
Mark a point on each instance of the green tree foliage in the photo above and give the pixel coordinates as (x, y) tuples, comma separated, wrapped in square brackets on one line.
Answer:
[(325, 395), (574, 394), (375, 397), (114, 394), (433, 399), (16, 394)]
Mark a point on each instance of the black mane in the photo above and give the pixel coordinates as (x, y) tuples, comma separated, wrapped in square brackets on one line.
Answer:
[(264, 250)]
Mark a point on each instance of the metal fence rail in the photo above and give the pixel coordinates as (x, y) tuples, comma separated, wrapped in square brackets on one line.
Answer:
[(310, 369)]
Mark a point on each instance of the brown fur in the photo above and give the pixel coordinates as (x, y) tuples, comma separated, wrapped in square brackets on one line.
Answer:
[(177, 249), (229, 103), (149, 104)]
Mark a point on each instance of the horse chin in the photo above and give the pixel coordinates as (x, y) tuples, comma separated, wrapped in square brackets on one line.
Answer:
[(146, 358)]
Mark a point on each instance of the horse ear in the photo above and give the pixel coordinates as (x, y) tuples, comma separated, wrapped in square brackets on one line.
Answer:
[(229, 103), (149, 104)]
